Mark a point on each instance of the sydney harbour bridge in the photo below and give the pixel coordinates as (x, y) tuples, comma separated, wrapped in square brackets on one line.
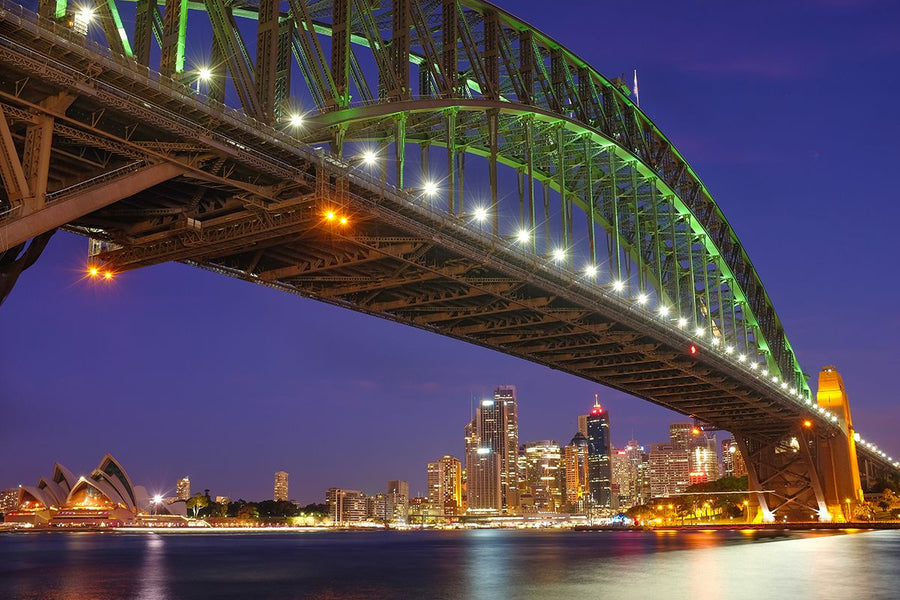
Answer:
[(439, 163)]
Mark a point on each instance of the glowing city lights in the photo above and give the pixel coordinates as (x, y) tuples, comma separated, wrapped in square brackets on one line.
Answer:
[(296, 120), (618, 285), (204, 74), (642, 299), (523, 235), (682, 322), (590, 271), (663, 311), (559, 254), (481, 213)]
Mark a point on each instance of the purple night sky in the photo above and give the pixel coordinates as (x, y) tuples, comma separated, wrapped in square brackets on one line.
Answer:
[(789, 115)]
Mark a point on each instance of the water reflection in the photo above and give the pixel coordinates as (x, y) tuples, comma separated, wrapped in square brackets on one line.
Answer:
[(152, 577), (447, 565)]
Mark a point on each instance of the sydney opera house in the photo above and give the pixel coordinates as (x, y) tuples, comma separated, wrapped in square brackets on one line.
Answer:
[(106, 497)]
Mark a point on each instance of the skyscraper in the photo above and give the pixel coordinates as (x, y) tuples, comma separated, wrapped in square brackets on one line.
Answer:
[(183, 488), (704, 458), (624, 478), (492, 445), (509, 462), (543, 475), (398, 496), (281, 486), (670, 469), (599, 467), (680, 435), (445, 486), (575, 457), (732, 459)]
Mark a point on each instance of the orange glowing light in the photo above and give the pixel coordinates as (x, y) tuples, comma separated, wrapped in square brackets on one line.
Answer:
[(807, 424), (695, 431), (93, 271), (330, 215), (107, 275), (343, 220)]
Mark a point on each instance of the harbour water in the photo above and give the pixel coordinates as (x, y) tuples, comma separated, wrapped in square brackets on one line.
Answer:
[(489, 564)]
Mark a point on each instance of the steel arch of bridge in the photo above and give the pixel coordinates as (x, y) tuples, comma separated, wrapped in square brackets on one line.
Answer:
[(471, 78)]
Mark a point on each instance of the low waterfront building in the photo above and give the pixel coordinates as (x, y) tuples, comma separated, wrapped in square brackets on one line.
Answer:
[(106, 497)]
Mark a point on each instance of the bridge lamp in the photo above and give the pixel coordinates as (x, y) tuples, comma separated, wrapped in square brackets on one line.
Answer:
[(85, 14), (330, 216), (682, 322), (742, 357), (107, 275), (774, 379), (642, 299), (699, 332), (729, 349), (343, 221), (765, 373), (559, 255), (754, 365), (523, 235), (430, 188), (784, 385), (808, 424), (663, 311), (93, 271), (618, 285), (481, 214), (295, 120), (369, 158), (590, 271)]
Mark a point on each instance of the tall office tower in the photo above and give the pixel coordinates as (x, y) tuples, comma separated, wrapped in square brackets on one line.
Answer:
[(670, 469), (398, 496), (575, 457), (680, 435), (492, 446), (281, 486), (543, 475), (345, 506), (482, 465), (704, 458), (505, 395), (445, 486), (624, 478), (640, 461), (732, 459), (599, 467), (183, 488), (582, 424)]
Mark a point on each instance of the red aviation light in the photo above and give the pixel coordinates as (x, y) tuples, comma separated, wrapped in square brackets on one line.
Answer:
[(692, 350), (596, 410)]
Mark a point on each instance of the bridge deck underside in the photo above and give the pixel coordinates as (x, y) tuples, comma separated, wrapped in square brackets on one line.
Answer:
[(413, 276)]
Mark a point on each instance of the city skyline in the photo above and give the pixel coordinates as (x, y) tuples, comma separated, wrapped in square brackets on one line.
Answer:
[(240, 376)]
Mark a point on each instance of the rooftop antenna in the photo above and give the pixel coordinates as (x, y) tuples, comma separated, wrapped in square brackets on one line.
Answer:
[(637, 95)]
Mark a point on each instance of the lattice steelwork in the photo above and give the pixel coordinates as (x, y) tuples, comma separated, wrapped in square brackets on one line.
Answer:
[(495, 187)]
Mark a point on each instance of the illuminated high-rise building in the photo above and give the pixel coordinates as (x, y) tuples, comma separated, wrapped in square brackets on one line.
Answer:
[(575, 459), (445, 486), (398, 496), (505, 395), (492, 448), (732, 459), (346, 506), (183, 488), (599, 463), (281, 486), (680, 435), (670, 469), (543, 475), (704, 458), (624, 478), (482, 467)]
